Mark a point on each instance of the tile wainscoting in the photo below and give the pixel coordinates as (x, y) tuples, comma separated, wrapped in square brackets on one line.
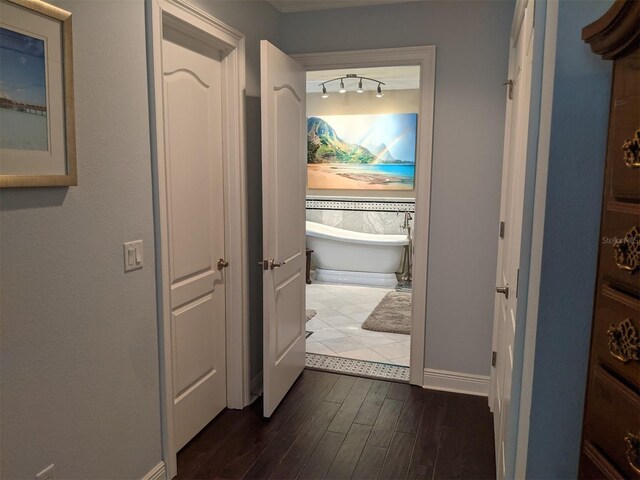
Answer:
[(368, 216)]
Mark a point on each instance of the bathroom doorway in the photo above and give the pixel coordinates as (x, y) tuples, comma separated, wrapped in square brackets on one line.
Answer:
[(369, 123)]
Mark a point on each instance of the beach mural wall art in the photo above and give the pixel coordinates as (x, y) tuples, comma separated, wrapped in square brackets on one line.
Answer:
[(362, 152)]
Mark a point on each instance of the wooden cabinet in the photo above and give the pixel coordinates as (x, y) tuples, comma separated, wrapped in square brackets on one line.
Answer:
[(611, 429)]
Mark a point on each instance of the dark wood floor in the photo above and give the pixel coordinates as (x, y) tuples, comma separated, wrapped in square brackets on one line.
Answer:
[(337, 426)]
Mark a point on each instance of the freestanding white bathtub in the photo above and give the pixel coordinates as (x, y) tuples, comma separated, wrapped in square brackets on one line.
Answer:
[(343, 256)]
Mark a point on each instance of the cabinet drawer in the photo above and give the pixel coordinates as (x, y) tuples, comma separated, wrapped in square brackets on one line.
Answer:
[(612, 414), (616, 331), (620, 248), (594, 466), (625, 173), (624, 125)]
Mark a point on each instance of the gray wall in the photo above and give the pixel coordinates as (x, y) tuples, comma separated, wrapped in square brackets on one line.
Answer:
[(257, 20), (472, 40), (574, 192), (79, 360), (79, 349)]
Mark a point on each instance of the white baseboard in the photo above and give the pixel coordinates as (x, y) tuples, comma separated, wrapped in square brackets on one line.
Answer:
[(456, 382), (158, 472)]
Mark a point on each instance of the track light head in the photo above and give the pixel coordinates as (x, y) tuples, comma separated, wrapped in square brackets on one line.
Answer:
[(353, 76)]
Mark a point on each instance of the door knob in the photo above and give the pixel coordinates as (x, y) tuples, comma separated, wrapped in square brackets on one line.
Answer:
[(222, 263), (270, 264), (273, 264), (504, 290)]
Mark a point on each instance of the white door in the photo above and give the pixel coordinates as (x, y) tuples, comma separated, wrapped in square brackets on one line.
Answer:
[(511, 213), (194, 211), (284, 179)]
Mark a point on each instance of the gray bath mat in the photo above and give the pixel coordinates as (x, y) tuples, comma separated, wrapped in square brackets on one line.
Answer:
[(310, 314), (392, 315)]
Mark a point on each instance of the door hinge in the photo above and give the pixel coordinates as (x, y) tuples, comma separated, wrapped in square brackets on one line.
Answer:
[(510, 89), (494, 358), (501, 229), (517, 282)]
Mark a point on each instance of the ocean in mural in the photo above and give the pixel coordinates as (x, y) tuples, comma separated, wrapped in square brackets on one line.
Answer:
[(362, 152), (23, 97)]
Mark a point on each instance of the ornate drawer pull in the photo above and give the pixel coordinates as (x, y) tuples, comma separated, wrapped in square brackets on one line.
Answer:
[(623, 341), (627, 251), (631, 149), (633, 450)]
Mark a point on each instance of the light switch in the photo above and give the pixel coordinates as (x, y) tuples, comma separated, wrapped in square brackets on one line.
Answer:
[(133, 256)]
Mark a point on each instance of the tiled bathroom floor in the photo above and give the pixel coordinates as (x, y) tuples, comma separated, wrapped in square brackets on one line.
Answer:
[(337, 326)]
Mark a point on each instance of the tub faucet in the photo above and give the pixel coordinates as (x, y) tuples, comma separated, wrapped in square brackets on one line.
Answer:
[(408, 254), (406, 225)]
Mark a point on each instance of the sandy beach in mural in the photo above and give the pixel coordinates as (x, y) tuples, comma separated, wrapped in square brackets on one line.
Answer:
[(346, 177)]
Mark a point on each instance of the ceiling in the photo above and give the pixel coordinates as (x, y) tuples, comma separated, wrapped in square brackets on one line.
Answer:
[(288, 6), (395, 78)]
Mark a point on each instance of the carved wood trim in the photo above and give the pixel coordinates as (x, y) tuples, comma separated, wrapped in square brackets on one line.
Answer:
[(616, 32)]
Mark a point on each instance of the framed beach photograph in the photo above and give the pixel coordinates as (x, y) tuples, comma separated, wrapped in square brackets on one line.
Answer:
[(362, 152), (37, 128)]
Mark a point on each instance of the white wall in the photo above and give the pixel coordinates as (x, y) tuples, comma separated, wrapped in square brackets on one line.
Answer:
[(472, 40), (352, 103), (79, 359)]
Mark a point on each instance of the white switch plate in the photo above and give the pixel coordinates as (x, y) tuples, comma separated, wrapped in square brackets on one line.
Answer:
[(47, 474), (133, 256)]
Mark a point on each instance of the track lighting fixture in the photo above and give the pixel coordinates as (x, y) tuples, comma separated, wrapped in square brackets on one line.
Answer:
[(355, 77)]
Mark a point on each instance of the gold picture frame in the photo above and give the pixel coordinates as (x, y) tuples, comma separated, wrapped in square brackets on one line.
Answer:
[(45, 155)]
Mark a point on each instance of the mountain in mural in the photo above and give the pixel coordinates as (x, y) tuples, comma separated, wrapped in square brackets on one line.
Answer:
[(324, 146), (382, 153)]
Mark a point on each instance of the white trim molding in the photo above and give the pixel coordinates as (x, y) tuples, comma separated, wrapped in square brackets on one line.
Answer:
[(425, 57), (158, 472), (537, 235), (457, 382), (187, 18)]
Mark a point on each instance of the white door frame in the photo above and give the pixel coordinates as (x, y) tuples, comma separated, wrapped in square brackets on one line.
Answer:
[(425, 57), (537, 210), (544, 57), (199, 24)]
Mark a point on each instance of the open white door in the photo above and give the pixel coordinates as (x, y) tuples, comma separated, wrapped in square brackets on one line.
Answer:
[(511, 215), (284, 180)]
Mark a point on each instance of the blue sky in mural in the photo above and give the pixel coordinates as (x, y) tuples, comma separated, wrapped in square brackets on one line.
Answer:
[(395, 130), (22, 68)]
